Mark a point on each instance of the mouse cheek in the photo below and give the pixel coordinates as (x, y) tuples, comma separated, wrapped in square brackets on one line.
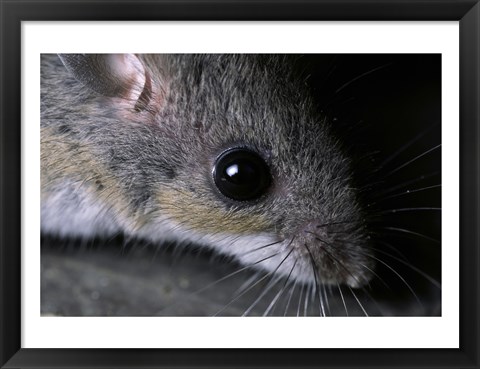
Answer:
[(200, 213)]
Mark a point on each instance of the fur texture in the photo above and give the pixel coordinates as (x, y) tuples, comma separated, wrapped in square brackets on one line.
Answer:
[(141, 163)]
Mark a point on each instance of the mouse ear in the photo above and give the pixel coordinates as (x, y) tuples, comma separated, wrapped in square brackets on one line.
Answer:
[(112, 75)]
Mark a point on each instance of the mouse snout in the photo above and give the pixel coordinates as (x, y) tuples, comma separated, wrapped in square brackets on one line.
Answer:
[(324, 234), (335, 251), (310, 239)]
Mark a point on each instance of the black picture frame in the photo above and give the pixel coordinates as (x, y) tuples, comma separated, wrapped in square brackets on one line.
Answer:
[(467, 12)]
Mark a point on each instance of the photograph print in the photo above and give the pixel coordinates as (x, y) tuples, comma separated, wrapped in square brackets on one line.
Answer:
[(241, 185)]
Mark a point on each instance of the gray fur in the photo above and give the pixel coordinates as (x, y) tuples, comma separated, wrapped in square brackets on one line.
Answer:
[(202, 105)]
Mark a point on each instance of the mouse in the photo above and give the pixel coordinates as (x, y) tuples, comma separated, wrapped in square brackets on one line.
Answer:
[(238, 156), (226, 151)]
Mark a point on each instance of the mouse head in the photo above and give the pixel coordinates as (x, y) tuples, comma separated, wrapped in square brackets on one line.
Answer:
[(229, 151)]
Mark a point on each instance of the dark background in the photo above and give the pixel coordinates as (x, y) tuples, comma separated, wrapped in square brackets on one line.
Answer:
[(379, 105)]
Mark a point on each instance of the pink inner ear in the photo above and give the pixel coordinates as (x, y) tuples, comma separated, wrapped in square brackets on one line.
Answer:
[(130, 72), (141, 95), (144, 98)]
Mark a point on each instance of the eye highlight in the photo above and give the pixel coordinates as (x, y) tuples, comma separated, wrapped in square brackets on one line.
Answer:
[(241, 174)]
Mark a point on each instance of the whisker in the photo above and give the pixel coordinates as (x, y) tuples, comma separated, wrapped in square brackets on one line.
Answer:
[(408, 144), (409, 265), (393, 211), (312, 299), (325, 294), (395, 250), (316, 279), (361, 76), (247, 283), (271, 282), (376, 275), (300, 300), (411, 161), (261, 279), (272, 304), (305, 304), (374, 302), (406, 183), (240, 295), (290, 297), (409, 232), (263, 247), (407, 192), (343, 299), (265, 290), (224, 278), (356, 298), (399, 276)]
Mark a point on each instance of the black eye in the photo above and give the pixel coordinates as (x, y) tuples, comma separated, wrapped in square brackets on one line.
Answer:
[(241, 174)]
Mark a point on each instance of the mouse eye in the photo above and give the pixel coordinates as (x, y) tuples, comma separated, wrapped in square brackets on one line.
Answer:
[(241, 174)]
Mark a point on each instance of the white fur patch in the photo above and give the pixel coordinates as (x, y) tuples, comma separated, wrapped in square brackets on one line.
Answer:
[(260, 251), (72, 212)]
